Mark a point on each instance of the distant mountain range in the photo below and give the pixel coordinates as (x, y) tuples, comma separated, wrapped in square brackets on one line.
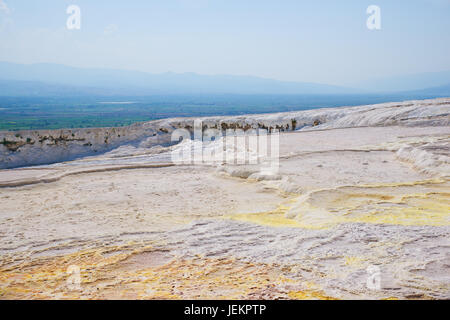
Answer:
[(411, 82), (59, 80), (42, 78)]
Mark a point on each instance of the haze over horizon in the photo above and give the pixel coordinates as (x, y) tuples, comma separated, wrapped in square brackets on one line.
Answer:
[(326, 42), (47, 79)]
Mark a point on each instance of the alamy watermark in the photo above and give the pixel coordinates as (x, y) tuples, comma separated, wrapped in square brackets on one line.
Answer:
[(373, 281), (374, 20), (74, 20), (212, 146), (74, 279)]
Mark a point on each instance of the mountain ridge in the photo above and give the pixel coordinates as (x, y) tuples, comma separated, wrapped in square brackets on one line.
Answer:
[(164, 83)]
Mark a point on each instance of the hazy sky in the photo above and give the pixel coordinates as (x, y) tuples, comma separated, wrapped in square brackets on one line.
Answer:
[(317, 41)]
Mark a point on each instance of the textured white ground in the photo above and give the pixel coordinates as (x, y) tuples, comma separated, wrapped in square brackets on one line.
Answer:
[(344, 200)]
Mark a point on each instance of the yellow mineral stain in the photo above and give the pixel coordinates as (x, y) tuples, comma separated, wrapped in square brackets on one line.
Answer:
[(302, 295), (395, 204), (435, 181), (141, 273), (413, 210), (275, 218), (353, 261)]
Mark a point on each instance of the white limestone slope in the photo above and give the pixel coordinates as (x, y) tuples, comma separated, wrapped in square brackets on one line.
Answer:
[(34, 147)]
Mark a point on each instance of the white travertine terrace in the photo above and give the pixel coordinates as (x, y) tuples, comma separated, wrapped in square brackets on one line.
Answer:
[(357, 188)]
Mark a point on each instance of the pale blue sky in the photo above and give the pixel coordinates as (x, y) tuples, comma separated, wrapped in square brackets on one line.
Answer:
[(316, 41)]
